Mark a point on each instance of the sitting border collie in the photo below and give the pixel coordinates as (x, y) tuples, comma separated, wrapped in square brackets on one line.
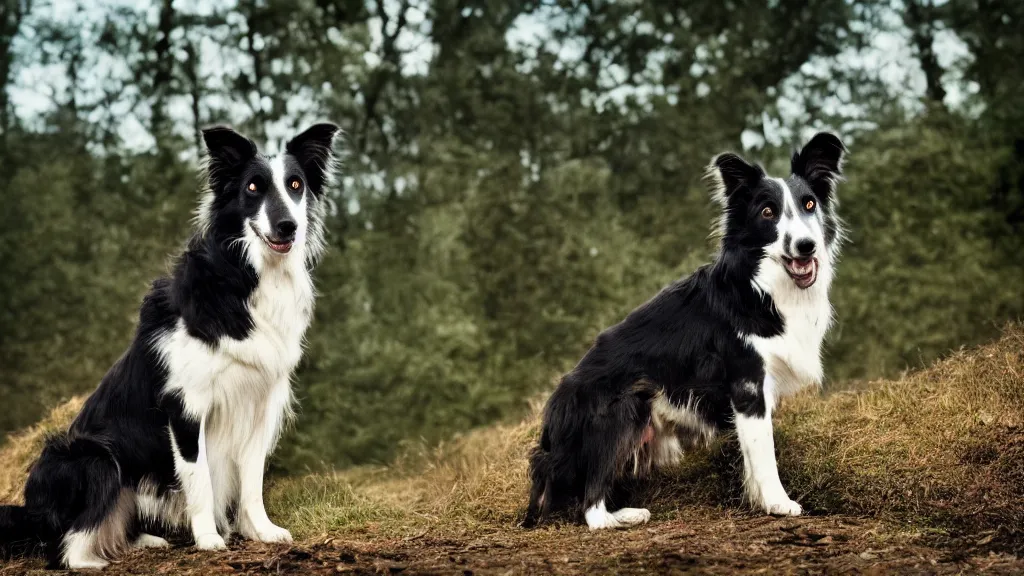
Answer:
[(177, 434), (713, 351)]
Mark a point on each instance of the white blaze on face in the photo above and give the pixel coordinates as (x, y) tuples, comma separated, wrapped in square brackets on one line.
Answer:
[(279, 187), (784, 265), (255, 247), (263, 221), (279, 201), (795, 224)]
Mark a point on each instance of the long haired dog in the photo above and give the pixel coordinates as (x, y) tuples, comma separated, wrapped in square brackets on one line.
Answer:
[(176, 436), (711, 352)]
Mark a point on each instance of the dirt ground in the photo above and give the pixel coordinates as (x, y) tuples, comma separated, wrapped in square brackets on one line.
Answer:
[(708, 542)]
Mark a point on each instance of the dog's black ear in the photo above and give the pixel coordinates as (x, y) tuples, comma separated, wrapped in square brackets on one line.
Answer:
[(314, 150), (820, 163), (728, 173), (227, 146)]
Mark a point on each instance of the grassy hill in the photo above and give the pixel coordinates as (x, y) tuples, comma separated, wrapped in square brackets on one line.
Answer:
[(924, 472)]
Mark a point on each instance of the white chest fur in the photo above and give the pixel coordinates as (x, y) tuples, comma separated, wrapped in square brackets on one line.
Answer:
[(239, 390), (793, 358), (241, 374), (281, 308)]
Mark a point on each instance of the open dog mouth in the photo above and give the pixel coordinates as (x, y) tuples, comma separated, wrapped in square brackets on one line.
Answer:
[(803, 271), (279, 247)]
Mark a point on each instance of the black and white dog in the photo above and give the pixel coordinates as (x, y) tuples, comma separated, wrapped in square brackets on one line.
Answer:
[(177, 434), (711, 352)]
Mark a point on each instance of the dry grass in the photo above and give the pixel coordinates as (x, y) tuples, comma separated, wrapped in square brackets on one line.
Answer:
[(22, 449), (474, 481), (942, 448)]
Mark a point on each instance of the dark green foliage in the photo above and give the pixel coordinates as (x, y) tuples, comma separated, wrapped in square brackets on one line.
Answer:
[(929, 266), (502, 202), (85, 238)]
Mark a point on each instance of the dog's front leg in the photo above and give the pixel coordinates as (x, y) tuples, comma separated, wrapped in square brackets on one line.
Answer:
[(193, 471), (253, 521), (752, 408)]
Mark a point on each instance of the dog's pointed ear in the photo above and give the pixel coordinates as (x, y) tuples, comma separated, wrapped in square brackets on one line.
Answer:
[(728, 173), (227, 146), (820, 163), (314, 149)]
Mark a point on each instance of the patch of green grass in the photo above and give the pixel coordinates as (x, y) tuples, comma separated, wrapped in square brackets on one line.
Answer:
[(320, 504)]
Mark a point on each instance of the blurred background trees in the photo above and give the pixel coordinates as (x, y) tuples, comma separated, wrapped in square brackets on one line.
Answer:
[(518, 174)]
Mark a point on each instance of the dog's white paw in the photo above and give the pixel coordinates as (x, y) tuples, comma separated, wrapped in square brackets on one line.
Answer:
[(631, 516), (79, 551), (210, 542), (150, 541), (271, 533), (783, 507), (601, 521), (599, 518), (87, 564)]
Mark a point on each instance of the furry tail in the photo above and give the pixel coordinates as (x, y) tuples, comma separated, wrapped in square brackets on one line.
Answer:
[(593, 438), (74, 482), (19, 533), (540, 477), (555, 490)]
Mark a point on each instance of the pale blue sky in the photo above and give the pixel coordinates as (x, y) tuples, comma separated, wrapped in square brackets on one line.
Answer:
[(32, 94)]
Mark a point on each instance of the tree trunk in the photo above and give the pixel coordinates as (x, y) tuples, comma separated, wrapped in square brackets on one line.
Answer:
[(259, 114), (920, 17), (195, 89), (10, 23), (163, 70)]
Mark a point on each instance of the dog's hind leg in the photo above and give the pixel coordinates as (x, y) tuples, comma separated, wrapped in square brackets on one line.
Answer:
[(598, 517), (539, 487), (84, 514), (89, 545), (614, 442), (631, 516), (752, 406), (150, 541)]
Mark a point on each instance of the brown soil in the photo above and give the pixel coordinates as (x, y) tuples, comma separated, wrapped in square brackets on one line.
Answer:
[(709, 542)]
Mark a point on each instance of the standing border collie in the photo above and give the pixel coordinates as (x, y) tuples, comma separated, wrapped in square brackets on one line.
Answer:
[(712, 351), (177, 434)]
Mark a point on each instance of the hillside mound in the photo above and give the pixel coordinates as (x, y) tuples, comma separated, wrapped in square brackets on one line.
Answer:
[(923, 472)]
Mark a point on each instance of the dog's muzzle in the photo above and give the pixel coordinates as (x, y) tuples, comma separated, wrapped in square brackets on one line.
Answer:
[(803, 271)]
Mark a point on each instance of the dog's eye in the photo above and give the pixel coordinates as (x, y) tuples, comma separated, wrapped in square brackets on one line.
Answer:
[(252, 187), (768, 213), (809, 205), (295, 184)]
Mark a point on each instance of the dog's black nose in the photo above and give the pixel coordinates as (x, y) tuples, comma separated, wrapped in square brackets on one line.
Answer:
[(804, 247), (285, 228)]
